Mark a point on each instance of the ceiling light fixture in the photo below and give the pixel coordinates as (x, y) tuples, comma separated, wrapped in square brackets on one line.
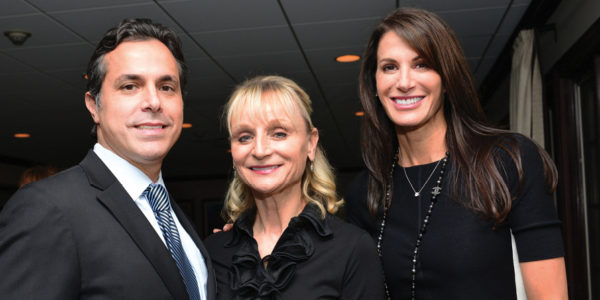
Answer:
[(347, 58), (17, 37), (22, 135), (359, 113), (186, 125)]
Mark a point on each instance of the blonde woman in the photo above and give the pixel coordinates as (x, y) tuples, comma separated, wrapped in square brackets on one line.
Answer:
[(285, 244)]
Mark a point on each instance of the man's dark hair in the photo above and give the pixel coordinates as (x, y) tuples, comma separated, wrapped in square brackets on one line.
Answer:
[(132, 30)]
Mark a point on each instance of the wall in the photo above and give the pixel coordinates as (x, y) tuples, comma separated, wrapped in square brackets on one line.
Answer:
[(571, 19)]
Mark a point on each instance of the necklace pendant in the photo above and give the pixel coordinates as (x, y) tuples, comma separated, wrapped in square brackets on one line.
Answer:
[(417, 194)]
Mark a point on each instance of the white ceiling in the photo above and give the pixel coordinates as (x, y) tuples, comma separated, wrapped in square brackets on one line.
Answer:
[(224, 41)]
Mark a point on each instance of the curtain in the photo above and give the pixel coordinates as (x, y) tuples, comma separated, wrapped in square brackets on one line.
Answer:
[(525, 105), (525, 109)]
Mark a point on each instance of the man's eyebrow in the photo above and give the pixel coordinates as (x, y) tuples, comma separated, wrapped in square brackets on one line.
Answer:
[(126, 77), (168, 78)]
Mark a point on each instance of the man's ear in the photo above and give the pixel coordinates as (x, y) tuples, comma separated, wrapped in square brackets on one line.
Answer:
[(90, 104)]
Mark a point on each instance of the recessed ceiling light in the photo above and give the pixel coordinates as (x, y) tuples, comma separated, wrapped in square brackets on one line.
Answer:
[(17, 37), (347, 58), (186, 125), (359, 113), (22, 135)]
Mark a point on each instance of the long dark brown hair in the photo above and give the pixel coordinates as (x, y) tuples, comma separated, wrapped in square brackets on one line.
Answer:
[(470, 141)]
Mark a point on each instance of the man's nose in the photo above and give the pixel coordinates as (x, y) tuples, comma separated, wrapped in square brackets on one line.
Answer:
[(152, 100)]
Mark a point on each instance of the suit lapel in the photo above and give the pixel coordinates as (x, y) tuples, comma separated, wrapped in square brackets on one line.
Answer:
[(119, 203)]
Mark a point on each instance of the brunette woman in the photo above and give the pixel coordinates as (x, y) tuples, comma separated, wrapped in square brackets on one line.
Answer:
[(285, 244), (443, 190)]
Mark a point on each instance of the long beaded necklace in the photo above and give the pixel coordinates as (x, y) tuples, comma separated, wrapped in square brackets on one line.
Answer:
[(435, 191)]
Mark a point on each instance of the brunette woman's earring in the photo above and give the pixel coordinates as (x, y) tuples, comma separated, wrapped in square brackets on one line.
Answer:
[(312, 166)]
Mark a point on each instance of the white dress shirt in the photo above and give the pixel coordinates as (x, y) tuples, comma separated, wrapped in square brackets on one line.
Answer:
[(135, 183)]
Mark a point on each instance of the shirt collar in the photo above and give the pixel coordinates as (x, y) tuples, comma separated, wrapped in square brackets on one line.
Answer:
[(133, 180), (310, 217)]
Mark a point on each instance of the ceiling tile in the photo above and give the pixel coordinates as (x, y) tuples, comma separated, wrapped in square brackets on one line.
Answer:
[(462, 21), (12, 66), (310, 11), (335, 34), (497, 45), (512, 19), (63, 5), (473, 46), (218, 15), (341, 75), (522, 2), (54, 57), (190, 49), (243, 67), (455, 5), (79, 21), (247, 42), (204, 67), (16, 7)]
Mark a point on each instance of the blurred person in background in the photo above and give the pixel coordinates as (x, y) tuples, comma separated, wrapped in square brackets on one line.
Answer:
[(36, 173)]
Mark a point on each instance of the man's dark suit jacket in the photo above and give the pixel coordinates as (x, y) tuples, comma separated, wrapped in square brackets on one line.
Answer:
[(79, 235)]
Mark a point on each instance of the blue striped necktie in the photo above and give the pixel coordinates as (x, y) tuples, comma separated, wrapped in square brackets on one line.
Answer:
[(159, 201)]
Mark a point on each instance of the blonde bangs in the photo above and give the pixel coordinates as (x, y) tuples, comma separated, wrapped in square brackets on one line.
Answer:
[(262, 101)]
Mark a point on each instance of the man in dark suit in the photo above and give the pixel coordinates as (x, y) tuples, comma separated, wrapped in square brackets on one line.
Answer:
[(105, 229)]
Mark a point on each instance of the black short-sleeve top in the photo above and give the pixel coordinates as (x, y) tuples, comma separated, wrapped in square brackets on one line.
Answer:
[(462, 255)]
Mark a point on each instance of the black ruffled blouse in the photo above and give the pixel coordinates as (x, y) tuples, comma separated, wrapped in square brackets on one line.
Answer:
[(314, 258)]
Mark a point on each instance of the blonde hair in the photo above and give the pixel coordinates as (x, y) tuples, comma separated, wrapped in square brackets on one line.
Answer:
[(256, 96)]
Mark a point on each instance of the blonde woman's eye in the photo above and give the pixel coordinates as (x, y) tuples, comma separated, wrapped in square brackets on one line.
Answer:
[(280, 135), (244, 138)]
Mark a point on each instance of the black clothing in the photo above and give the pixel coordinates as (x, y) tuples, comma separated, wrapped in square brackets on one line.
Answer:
[(79, 235), (461, 255), (313, 259)]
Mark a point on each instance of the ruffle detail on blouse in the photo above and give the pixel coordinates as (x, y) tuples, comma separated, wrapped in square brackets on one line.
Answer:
[(249, 277)]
